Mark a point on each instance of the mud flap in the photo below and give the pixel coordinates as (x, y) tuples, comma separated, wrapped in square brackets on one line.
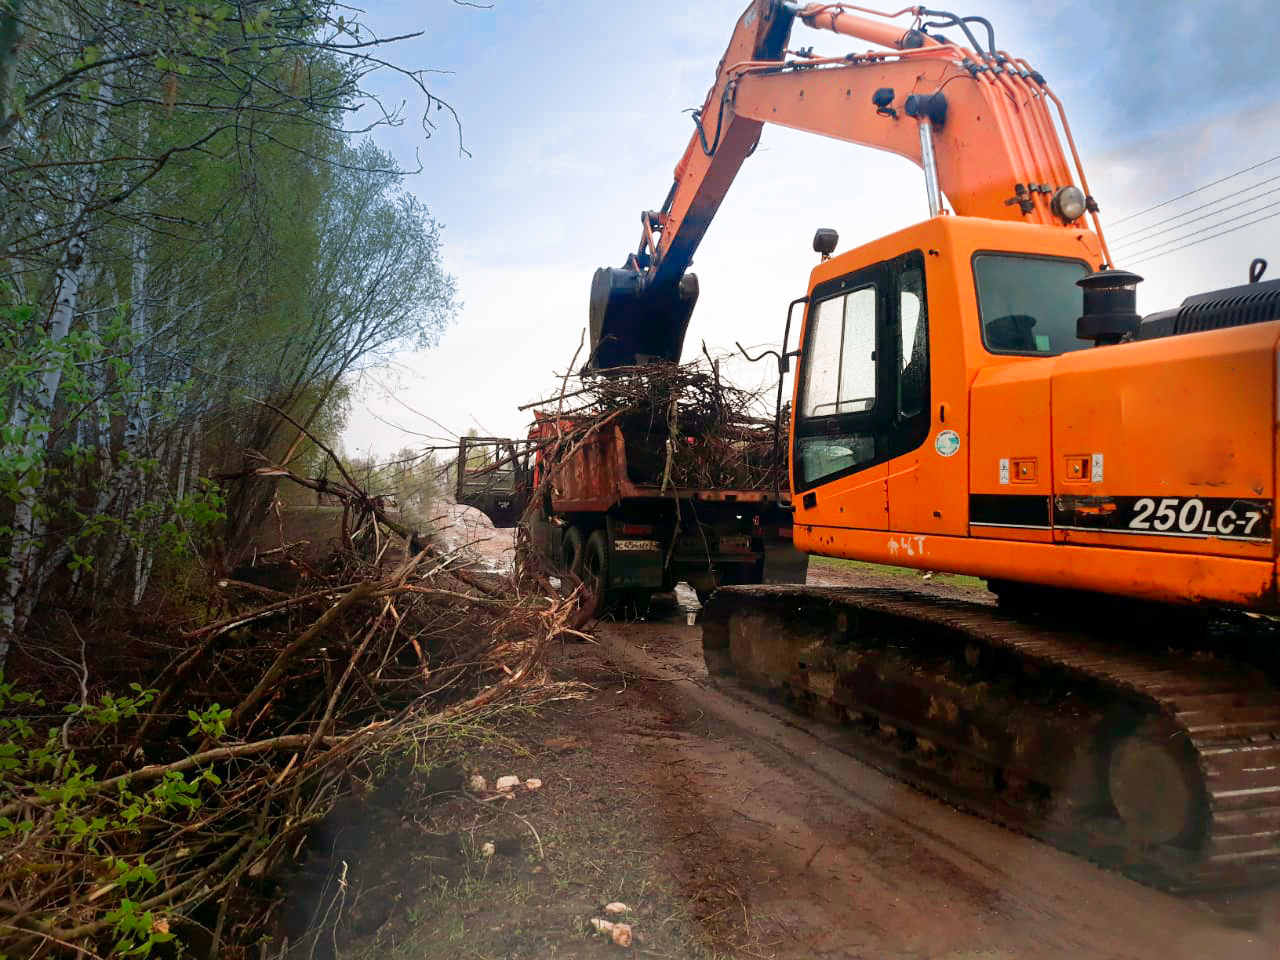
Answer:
[(631, 569), (783, 563)]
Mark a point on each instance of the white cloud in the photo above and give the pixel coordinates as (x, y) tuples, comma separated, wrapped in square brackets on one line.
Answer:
[(1176, 161)]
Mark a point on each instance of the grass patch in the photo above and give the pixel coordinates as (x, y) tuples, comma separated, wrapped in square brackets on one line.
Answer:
[(886, 571)]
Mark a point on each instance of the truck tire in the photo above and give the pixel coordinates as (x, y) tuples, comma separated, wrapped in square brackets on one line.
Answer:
[(598, 599)]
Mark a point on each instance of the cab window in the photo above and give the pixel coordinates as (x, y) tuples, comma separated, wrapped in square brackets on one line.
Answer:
[(864, 379), (1029, 305), (913, 338), (842, 361)]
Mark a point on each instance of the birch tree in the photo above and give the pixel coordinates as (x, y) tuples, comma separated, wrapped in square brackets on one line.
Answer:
[(186, 228)]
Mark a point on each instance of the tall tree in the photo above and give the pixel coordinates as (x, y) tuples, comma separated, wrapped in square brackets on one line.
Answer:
[(186, 228)]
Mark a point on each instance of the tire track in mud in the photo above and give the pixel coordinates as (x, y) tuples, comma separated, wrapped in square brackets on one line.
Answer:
[(851, 863)]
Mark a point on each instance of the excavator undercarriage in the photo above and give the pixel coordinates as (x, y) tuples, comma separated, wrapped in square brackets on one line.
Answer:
[(1163, 764)]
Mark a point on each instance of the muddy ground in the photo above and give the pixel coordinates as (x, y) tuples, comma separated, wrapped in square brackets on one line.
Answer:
[(732, 828)]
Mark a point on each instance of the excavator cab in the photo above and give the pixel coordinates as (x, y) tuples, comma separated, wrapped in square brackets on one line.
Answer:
[(956, 407), (913, 315)]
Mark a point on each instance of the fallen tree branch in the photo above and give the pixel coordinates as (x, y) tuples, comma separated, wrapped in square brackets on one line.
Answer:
[(361, 591), (377, 659), (156, 770)]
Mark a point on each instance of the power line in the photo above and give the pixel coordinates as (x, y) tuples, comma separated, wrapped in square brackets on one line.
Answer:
[(1203, 206), (1179, 226), (1183, 196), (1214, 226), (1154, 256)]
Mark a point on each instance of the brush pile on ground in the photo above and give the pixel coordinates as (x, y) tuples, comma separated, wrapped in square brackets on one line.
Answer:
[(174, 805), (685, 427)]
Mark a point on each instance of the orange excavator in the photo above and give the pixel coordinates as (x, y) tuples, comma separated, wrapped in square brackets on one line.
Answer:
[(976, 393)]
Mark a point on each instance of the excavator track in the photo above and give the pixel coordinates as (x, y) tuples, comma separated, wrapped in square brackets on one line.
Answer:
[(1163, 765)]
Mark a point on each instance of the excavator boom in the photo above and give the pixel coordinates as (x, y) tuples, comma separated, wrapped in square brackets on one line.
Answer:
[(641, 311), (977, 121)]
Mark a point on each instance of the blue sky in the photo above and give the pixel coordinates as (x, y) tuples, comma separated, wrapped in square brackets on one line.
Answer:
[(572, 114)]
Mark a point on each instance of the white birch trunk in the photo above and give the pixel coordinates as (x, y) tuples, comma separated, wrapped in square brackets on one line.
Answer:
[(140, 326), (34, 412), (184, 461), (141, 574)]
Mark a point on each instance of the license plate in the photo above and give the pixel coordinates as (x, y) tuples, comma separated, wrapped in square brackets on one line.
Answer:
[(735, 544), (634, 546)]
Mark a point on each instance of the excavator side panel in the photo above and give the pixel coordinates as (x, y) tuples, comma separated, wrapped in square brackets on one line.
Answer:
[(1010, 477), (1168, 445)]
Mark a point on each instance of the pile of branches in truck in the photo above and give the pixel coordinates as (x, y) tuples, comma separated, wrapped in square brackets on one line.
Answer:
[(686, 427)]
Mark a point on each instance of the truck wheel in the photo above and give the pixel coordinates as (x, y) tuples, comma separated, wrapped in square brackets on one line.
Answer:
[(600, 600)]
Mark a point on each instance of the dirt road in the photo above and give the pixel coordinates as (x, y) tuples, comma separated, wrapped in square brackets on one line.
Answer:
[(847, 862), (734, 828)]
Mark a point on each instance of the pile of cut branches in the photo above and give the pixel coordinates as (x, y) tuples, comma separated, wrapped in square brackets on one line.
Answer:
[(129, 818), (685, 426)]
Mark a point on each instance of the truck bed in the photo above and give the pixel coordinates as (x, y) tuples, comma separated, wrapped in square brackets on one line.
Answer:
[(628, 461)]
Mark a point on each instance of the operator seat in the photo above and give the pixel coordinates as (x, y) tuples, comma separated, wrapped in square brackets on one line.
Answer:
[(1012, 332)]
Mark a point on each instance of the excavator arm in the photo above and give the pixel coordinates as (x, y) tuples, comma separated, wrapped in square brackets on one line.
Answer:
[(975, 119), (640, 312)]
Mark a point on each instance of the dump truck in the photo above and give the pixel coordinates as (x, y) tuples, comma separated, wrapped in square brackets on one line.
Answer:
[(597, 504)]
